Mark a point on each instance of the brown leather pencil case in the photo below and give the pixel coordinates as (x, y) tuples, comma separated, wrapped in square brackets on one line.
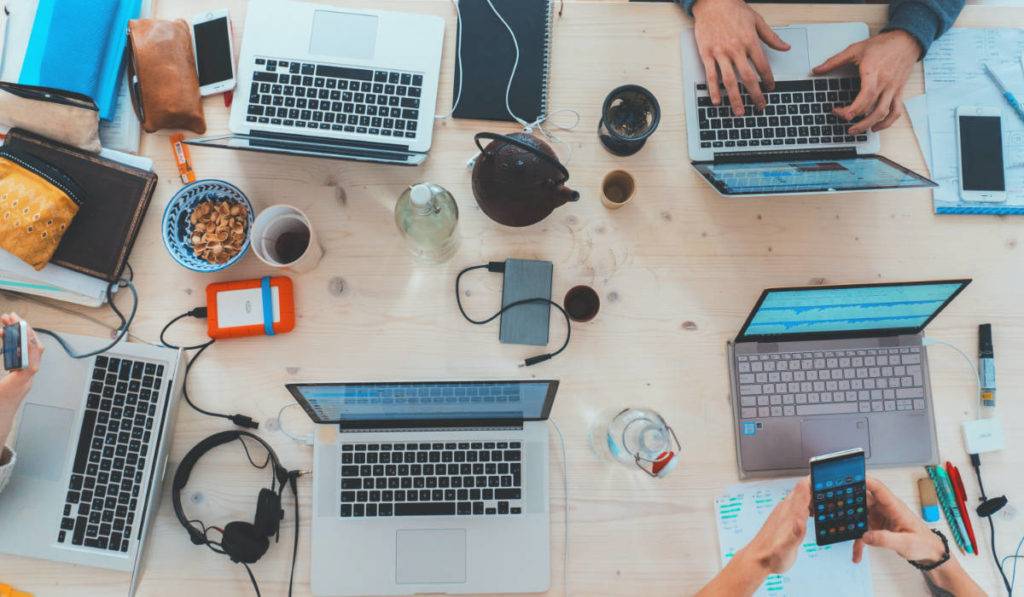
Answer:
[(162, 72)]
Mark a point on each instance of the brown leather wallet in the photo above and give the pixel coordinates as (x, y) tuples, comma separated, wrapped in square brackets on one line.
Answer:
[(162, 72)]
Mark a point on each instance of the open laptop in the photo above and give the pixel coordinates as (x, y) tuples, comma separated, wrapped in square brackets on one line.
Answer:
[(796, 145), (429, 487), (320, 80), (92, 442), (827, 368)]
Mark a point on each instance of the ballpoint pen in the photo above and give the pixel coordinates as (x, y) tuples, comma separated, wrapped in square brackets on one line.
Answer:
[(1007, 95), (961, 501)]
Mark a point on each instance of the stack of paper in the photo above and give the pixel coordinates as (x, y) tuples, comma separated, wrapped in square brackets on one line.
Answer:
[(57, 282), (954, 76), (830, 570)]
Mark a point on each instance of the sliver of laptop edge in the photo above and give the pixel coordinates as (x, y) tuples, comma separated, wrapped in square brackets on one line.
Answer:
[(305, 90), (788, 153), (824, 368), (73, 403), (464, 510)]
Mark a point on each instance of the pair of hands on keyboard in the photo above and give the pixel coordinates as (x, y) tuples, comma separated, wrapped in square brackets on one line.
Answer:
[(729, 35), (14, 385)]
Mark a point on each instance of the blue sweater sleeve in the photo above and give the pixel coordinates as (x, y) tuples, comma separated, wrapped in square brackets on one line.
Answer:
[(924, 20)]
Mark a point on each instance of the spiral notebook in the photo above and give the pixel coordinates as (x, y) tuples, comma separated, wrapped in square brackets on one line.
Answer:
[(488, 55)]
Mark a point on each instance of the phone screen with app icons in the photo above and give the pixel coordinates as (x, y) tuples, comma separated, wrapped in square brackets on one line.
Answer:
[(839, 497)]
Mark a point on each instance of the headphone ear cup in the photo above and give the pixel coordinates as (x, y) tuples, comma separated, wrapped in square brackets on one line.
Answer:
[(268, 513), (243, 542)]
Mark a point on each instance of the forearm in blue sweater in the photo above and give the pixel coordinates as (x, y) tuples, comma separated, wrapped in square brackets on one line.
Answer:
[(925, 20)]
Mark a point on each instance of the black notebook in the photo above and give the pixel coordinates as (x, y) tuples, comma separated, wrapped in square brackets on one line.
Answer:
[(488, 55), (116, 198)]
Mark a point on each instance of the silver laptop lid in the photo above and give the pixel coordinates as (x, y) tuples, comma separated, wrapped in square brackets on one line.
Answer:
[(833, 312), (319, 147), (426, 404), (806, 172)]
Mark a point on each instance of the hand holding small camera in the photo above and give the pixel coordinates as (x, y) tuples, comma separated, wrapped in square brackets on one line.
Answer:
[(15, 384)]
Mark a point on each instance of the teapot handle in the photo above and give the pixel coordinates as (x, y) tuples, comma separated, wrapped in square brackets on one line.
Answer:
[(495, 136)]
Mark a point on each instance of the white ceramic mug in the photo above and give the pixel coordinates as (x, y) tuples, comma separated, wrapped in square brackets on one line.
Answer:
[(277, 221)]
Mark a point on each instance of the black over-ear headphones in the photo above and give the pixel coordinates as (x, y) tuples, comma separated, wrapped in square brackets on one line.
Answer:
[(243, 542)]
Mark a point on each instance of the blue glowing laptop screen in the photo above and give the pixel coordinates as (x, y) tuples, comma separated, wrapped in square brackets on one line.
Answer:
[(846, 309), (425, 401), (809, 176)]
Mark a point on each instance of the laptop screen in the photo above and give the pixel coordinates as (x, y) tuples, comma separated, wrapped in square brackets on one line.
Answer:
[(809, 175), (436, 402), (785, 313)]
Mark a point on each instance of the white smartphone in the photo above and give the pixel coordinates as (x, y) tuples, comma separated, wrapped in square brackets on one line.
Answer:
[(214, 52), (979, 140)]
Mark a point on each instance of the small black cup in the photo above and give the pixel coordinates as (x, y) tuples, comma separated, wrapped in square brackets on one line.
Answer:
[(582, 303), (630, 115)]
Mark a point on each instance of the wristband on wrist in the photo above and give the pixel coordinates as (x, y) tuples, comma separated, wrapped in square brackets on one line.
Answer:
[(928, 566)]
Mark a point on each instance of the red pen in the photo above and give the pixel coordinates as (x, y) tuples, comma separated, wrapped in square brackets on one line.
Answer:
[(961, 501)]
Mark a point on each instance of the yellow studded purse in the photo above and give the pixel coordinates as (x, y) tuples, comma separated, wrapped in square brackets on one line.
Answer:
[(37, 204)]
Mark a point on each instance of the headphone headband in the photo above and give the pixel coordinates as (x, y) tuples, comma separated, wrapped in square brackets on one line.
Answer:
[(181, 475)]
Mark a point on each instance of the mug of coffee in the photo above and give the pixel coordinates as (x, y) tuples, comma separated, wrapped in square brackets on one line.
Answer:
[(617, 189), (283, 237)]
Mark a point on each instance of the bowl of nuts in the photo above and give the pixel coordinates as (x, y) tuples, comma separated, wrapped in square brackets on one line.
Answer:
[(206, 225)]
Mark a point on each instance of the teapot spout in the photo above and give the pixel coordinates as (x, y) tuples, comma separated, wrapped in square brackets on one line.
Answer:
[(564, 195)]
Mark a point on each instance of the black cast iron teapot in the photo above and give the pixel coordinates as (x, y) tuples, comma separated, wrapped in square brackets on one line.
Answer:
[(518, 180)]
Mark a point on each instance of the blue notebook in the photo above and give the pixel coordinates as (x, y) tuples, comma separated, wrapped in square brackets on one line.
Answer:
[(78, 45)]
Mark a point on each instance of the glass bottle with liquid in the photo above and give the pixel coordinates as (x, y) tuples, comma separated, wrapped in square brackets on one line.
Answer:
[(427, 215)]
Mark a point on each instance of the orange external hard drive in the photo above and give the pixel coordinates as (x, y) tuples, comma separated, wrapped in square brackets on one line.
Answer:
[(262, 307)]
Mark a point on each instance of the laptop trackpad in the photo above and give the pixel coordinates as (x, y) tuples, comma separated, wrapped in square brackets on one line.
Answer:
[(343, 34), (43, 435), (431, 556), (796, 60), (831, 434)]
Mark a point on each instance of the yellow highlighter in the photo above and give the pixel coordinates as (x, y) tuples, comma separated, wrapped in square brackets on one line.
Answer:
[(9, 591)]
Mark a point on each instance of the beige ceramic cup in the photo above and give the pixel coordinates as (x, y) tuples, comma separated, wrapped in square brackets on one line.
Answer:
[(617, 189)]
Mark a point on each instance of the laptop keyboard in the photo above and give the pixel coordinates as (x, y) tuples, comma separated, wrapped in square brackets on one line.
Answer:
[(797, 113), (112, 449), (430, 479), (830, 382), (325, 97)]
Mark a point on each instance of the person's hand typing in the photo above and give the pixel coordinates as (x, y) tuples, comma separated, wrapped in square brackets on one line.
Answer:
[(884, 62), (775, 545), (891, 525), (729, 35)]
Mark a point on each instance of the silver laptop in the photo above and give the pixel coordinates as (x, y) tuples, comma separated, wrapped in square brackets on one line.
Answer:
[(796, 145), (92, 442), (827, 368), (324, 81), (429, 487)]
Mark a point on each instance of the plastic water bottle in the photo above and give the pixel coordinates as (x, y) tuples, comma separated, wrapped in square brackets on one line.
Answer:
[(635, 437), (427, 215)]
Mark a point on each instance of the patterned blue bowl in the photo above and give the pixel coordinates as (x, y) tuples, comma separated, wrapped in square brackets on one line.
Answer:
[(177, 228)]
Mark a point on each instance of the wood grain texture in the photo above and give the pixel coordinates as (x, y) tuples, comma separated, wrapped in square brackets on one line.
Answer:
[(677, 271)]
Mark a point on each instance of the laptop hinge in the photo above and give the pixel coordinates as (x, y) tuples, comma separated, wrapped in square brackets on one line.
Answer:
[(307, 139), (784, 155), (429, 425)]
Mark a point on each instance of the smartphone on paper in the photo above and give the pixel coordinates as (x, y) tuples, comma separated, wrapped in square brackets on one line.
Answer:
[(15, 347), (979, 139), (839, 496), (214, 52)]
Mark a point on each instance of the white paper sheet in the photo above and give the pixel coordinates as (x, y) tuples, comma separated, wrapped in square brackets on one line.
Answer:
[(917, 110), (954, 76), (827, 570)]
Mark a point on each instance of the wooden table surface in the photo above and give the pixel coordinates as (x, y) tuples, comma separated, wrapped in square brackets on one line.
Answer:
[(677, 271)]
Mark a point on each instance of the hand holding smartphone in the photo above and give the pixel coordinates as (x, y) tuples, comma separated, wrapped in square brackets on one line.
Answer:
[(839, 496), (15, 346)]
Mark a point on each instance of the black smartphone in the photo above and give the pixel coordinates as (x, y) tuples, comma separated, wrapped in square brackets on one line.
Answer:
[(16, 346), (839, 496)]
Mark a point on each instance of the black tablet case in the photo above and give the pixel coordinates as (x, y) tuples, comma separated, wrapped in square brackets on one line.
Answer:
[(101, 236), (488, 55)]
